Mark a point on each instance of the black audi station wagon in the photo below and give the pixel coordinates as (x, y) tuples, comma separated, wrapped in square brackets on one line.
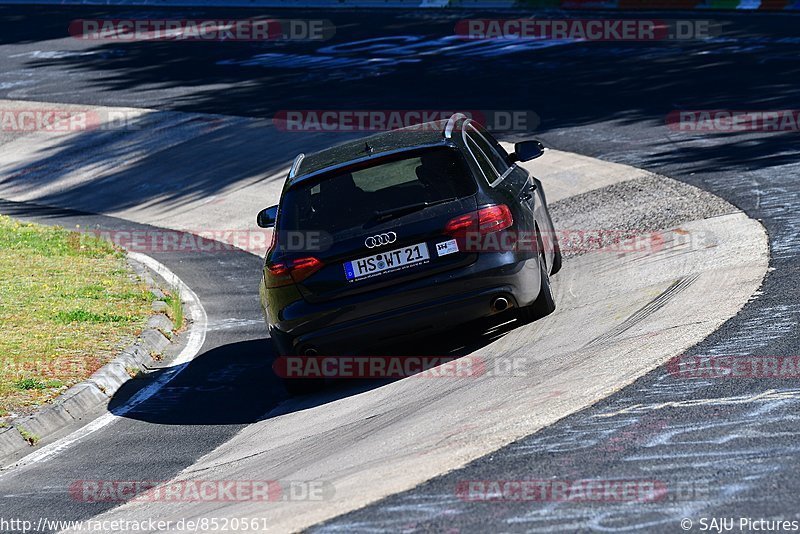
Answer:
[(404, 233)]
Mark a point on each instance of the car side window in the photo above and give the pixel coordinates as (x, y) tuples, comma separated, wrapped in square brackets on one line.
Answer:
[(489, 173), (490, 147)]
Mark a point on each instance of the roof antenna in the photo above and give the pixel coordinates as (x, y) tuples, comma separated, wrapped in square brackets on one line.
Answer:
[(368, 149)]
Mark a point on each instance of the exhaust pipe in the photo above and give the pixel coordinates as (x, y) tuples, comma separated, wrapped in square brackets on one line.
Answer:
[(499, 304)]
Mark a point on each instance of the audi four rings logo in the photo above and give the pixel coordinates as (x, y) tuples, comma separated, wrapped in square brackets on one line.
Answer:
[(380, 239)]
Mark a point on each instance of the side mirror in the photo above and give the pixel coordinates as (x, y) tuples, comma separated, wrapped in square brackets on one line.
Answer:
[(266, 217), (526, 151)]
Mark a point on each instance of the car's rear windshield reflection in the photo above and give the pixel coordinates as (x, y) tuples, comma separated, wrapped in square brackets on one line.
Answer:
[(351, 199)]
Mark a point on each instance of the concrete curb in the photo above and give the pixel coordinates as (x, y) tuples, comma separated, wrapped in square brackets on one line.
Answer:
[(78, 401)]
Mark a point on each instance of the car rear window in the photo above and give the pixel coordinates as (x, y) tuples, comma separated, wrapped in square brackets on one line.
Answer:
[(348, 199)]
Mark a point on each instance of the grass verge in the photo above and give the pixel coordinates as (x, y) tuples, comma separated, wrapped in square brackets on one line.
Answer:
[(68, 303), (175, 308)]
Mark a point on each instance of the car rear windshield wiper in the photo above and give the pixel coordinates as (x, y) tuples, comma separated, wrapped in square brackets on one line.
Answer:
[(385, 215)]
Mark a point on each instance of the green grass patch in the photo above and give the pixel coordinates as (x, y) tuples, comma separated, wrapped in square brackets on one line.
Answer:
[(83, 316), (68, 303), (30, 437), (175, 309), (33, 383)]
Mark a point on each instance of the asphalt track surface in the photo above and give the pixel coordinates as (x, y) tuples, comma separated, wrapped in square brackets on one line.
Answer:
[(607, 100)]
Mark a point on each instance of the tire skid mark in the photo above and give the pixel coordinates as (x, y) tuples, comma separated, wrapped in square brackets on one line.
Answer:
[(645, 311)]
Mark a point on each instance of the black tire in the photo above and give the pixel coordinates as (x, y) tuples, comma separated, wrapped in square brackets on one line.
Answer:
[(556, 257), (298, 386), (544, 304)]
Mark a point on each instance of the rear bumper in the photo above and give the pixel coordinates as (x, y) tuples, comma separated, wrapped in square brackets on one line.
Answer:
[(393, 315)]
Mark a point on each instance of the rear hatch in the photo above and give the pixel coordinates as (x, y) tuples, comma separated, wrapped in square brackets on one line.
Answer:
[(379, 223)]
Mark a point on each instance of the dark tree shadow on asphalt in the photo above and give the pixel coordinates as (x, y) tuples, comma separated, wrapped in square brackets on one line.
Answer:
[(164, 158), (753, 65)]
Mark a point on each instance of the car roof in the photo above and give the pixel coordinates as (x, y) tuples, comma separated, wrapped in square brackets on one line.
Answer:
[(429, 134)]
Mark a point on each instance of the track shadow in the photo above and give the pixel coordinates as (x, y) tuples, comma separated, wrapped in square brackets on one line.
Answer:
[(166, 160), (237, 383), (162, 159), (376, 57), (231, 384)]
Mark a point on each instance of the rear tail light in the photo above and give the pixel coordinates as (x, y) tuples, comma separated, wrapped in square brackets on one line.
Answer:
[(483, 221), (462, 224), (494, 218), (291, 271)]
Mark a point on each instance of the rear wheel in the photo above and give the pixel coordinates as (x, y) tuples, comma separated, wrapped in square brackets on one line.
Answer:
[(295, 385), (556, 257), (544, 304)]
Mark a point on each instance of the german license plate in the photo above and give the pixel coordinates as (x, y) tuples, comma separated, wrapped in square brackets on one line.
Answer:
[(386, 262)]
